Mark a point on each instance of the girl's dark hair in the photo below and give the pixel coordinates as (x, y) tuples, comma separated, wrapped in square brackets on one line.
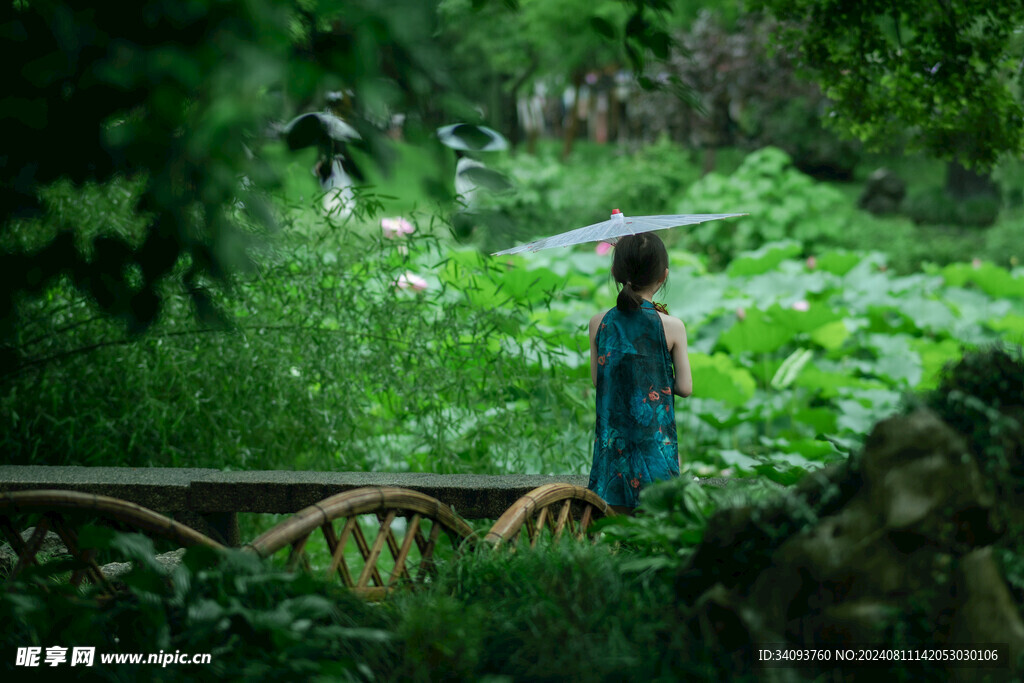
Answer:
[(639, 262)]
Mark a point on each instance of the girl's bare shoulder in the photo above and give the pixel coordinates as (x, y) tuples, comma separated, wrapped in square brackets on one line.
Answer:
[(595, 322), (670, 322), (598, 317)]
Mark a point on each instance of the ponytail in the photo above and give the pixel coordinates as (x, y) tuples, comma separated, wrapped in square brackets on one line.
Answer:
[(629, 299)]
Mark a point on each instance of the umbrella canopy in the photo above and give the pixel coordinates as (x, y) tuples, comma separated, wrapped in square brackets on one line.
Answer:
[(470, 138), (318, 128), (615, 227)]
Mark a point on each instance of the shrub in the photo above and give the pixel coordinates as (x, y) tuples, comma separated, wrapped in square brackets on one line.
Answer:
[(566, 612), (559, 612), (782, 203), (795, 125), (254, 621), (933, 206), (982, 397), (323, 362)]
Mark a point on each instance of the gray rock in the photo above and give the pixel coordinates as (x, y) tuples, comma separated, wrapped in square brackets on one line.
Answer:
[(913, 534), (986, 612), (167, 561), (115, 570), (52, 545), (921, 477), (883, 192)]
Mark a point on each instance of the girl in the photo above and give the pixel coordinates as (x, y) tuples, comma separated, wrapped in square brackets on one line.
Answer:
[(638, 364)]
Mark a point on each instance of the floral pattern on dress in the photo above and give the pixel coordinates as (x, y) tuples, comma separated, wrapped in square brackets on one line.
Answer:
[(635, 430)]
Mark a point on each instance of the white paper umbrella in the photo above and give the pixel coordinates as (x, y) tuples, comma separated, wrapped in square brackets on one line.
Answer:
[(615, 227), (471, 138), (317, 128)]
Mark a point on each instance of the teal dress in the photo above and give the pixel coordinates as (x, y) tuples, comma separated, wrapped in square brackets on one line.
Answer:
[(635, 432)]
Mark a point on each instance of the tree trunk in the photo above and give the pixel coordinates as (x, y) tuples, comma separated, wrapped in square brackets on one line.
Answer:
[(709, 159), (574, 115), (513, 98), (613, 113)]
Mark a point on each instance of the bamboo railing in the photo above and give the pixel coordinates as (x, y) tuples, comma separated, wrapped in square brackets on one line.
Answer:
[(552, 509), (409, 527), (61, 511), (387, 505)]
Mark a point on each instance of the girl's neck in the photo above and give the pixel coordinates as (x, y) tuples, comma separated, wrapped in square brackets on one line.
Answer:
[(648, 295)]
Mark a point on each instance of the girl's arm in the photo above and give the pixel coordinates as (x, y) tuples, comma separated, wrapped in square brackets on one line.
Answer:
[(595, 323), (684, 379)]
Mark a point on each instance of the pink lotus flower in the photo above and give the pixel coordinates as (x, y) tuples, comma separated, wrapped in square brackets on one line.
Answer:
[(410, 280), (801, 305), (741, 314), (976, 263), (396, 227), (812, 263), (603, 248)]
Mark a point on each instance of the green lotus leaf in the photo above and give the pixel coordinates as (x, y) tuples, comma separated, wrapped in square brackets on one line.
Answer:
[(764, 259), (990, 278), (830, 335), (718, 377)]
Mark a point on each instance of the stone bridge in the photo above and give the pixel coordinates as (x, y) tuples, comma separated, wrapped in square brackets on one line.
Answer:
[(209, 500)]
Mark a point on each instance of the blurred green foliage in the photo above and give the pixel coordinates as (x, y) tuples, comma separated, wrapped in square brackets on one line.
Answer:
[(328, 363), (176, 100), (663, 536), (943, 76), (567, 611), (934, 206), (255, 621), (782, 202), (982, 397)]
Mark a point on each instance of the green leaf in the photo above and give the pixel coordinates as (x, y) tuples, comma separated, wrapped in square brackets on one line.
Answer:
[(837, 262), (790, 368), (990, 278), (531, 285), (781, 473), (764, 259), (896, 360), (603, 27), (831, 335), (758, 332), (830, 383), (813, 449), (1011, 325), (934, 356), (734, 458), (659, 43), (822, 420), (718, 377)]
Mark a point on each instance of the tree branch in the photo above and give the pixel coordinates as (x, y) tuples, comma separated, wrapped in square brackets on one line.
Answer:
[(182, 333)]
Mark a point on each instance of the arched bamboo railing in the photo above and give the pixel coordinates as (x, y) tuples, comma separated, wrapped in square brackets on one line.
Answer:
[(61, 512), (401, 517), (386, 505), (552, 509)]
